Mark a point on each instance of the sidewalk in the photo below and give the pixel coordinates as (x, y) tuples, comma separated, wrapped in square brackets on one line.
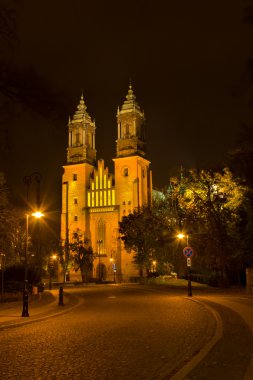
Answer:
[(39, 308)]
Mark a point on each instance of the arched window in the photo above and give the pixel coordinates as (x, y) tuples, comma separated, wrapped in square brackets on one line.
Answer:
[(78, 138), (126, 131)]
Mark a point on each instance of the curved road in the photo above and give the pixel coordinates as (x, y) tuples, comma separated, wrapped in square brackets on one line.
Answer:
[(116, 333), (121, 333)]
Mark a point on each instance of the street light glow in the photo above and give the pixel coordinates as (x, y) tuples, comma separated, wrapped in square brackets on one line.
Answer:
[(37, 214), (25, 312), (180, 236)]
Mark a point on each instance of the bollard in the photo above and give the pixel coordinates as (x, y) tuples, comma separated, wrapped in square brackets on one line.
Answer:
[(25, 312), (61, 296)]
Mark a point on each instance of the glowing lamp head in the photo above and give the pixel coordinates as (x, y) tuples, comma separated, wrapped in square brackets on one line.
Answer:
[(180, 236), (38, 214)]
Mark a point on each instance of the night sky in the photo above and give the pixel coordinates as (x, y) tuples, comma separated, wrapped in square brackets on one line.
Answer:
[(187, 61)]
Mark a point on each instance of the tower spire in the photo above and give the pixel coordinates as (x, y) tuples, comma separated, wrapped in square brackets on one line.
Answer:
[(81, 147), (131, 134)]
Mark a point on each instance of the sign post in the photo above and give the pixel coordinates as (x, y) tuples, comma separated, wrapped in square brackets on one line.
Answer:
[(188, 253)]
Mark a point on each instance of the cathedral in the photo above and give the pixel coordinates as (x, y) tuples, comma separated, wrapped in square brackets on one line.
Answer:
[(94, 200)]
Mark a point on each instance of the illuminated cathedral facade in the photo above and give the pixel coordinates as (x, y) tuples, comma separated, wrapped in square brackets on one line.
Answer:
[(94, 200)]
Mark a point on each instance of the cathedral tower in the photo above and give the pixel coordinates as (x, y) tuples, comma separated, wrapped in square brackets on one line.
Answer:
[(133, 181), (81, 156), (81, 144)]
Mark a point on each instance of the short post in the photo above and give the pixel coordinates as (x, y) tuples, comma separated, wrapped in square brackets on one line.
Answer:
[(50, 278), (25, 312), (61, 296), (189, 277)]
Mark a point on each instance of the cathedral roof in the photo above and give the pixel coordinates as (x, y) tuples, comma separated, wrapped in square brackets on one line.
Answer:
[(81, 110), (130, 104)]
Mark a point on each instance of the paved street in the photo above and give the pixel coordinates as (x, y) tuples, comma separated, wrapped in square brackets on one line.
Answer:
[(232, 357), (119, 332)]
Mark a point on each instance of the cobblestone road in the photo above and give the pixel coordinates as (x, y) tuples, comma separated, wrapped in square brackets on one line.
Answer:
[(117, 333), (230, 357)]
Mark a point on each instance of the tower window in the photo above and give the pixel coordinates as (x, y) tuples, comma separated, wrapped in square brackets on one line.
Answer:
[(77, 138), (75, 201), (75, 218), (125, 172), (74, 177), (127, 135)]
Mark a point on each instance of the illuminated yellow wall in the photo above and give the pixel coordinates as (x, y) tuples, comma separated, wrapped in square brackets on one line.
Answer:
[(96, 199), (132, 183)]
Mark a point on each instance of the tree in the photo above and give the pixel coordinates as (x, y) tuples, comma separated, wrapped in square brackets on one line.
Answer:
[(82, 255), (9, 222), (241, 164), (212, 203), (143, 232)]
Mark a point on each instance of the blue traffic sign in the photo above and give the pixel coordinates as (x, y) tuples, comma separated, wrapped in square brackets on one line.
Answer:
[(188, 252)]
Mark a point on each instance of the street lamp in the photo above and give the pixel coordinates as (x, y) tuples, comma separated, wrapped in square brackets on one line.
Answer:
[(113, 265), (25, 312), (187, 250), (182, 236), (51, 265), (99, 242), (154, 265)]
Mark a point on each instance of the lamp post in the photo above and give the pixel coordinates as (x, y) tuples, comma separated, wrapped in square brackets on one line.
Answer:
[(25, 312), (2, 284), (99, 242), (188, 253), (113, 268), (51, 265)]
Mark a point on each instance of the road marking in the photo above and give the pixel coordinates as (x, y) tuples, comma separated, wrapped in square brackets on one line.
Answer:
[(183, 372)]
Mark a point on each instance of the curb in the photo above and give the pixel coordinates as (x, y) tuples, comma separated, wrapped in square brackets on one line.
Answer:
[(180, 375), (41, 318)]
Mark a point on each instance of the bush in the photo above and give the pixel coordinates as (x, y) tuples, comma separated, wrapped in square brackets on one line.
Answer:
[(16, 273)]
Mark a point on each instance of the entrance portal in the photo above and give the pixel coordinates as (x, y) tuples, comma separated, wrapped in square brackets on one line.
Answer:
[(102, 272)]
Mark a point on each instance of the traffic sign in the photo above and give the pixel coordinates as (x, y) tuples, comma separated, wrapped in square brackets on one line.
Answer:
[(188, 261), (188, 252)]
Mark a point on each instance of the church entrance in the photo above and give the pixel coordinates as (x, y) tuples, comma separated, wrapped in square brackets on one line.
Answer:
[(103, 272)]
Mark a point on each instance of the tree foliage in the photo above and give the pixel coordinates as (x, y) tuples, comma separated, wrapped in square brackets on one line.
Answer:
[(82, 255), (9, 222), (143, 232), (212, 204), (208, 206)]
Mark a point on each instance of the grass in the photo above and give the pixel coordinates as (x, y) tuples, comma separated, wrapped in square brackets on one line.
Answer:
[(180, 283)]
